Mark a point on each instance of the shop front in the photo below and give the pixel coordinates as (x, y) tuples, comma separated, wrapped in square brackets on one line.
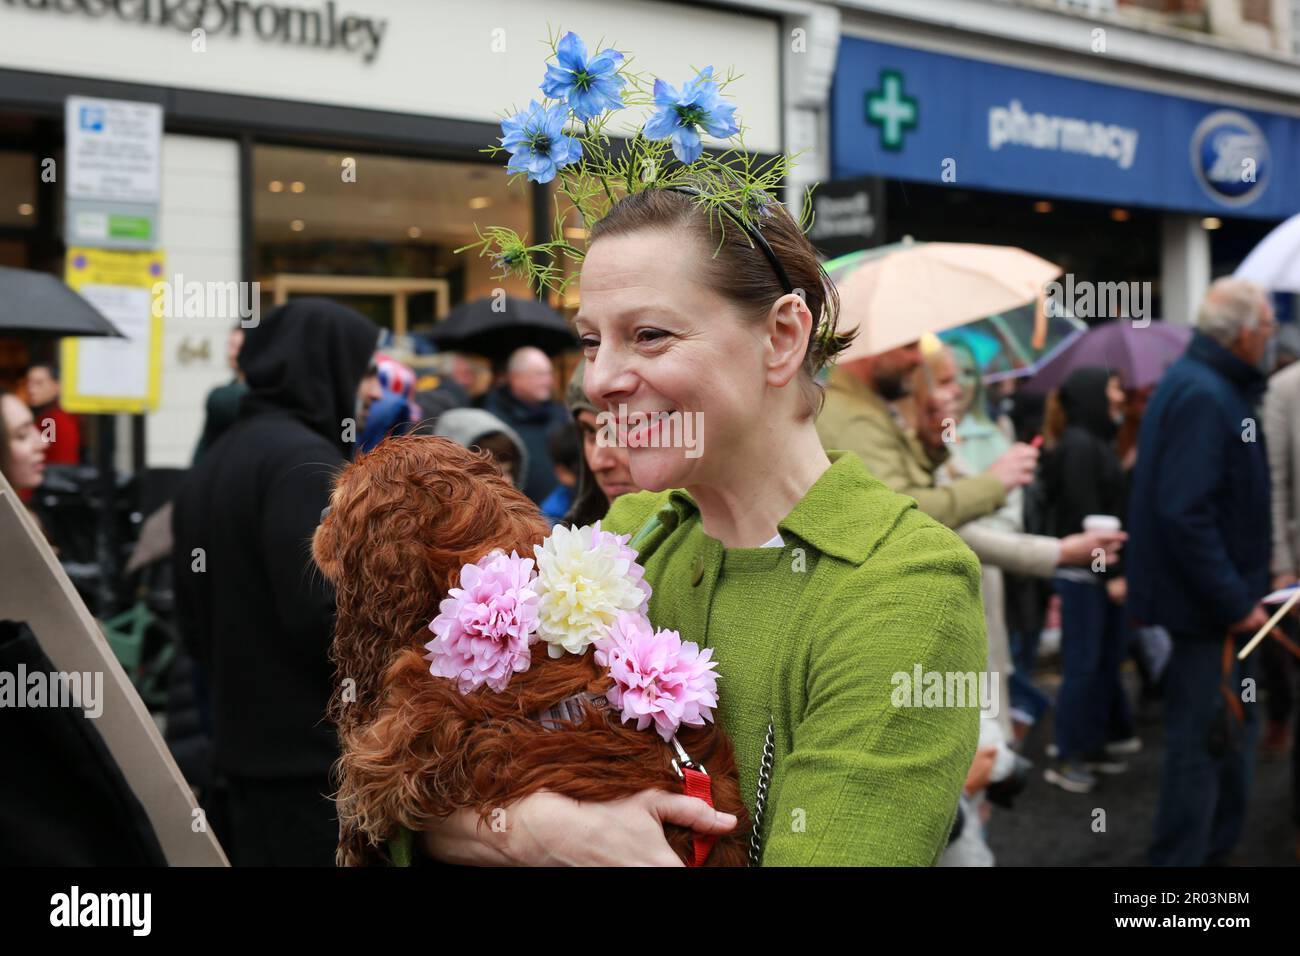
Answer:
[(1114, 182), (332, 147)]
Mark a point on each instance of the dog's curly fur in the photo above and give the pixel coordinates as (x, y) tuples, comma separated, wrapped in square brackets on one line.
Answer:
[(402, 521)]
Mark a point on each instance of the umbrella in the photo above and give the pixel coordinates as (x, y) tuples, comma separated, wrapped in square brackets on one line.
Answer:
[(1038, 364), (895, 294), (1275, 262), (38, 302), (1004, 344), (496, 327), (1139, 354), (984, 347)]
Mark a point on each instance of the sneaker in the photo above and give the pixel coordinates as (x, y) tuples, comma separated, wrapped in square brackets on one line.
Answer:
[(1071, 777), (1124, 748), (1107, 762), (1002, 793), (1104, 763)]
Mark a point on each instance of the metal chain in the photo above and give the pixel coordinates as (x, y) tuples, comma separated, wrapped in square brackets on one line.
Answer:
[(760, 799)]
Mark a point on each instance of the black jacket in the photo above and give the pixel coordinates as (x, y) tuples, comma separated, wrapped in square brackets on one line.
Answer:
[(1200, 527), (1082, 474), (533, 423), (253, 608)]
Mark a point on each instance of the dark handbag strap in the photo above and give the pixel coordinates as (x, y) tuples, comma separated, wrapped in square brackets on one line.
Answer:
[(647, 529), (1229, 695)]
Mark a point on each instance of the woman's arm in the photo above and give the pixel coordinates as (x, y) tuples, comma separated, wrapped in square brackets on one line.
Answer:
[(549, 829), (1031, 555), (1038, 556), (874, 779)]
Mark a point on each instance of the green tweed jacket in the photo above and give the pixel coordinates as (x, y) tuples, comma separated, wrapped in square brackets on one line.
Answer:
[(815, 637)]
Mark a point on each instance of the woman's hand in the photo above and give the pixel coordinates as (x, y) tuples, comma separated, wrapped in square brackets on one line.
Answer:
[(548, 829), (1081, 549)]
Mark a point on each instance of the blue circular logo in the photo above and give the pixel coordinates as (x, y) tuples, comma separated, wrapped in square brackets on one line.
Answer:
[(1230, 158)]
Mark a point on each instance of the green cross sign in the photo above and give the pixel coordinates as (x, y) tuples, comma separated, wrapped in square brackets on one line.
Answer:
[(891, 110)]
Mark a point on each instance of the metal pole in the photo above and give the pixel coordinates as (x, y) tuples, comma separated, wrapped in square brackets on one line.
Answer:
[(107, 544)]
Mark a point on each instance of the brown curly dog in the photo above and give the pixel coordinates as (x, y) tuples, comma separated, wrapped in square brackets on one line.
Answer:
[(402, 521)]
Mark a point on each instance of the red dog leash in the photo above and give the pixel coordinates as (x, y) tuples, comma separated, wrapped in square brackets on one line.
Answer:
[(695, 780)]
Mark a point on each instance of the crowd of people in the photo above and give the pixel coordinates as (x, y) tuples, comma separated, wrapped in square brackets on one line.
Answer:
[(1193, 491), (1150, 524)]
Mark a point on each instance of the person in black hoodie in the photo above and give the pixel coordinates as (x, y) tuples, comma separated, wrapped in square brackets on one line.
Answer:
[(255, 613), (1082, 476)]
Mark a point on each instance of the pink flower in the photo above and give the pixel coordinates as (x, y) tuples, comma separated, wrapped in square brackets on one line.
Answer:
[(484, 627), (657, 676)]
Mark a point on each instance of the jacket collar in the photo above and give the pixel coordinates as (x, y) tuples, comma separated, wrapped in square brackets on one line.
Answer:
[(1247, 379), (832, 517), (519, 409)]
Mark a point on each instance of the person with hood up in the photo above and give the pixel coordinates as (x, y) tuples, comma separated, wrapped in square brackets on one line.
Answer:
[(257, 616), (1082, 476), (474, 428)]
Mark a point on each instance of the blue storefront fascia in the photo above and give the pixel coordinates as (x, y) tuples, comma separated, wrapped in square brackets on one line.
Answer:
[(1006, 129)]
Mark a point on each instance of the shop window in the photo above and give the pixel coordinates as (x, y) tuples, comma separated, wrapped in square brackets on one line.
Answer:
[(336, 213)]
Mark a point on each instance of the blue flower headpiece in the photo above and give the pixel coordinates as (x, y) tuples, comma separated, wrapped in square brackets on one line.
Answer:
[(566, 139)]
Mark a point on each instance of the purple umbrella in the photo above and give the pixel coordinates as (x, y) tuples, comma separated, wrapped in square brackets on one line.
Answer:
[(1138, 354)]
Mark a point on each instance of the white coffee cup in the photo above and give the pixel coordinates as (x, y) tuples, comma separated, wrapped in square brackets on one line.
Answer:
[(1101, 523)]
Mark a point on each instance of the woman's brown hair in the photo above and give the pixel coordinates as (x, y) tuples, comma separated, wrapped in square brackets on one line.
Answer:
[(1054, 420), (739, 270)]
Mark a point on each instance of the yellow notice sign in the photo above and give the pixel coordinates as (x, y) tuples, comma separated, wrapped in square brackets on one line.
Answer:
[(110, 374)]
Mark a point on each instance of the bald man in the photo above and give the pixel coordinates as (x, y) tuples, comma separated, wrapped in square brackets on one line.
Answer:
[(524, 402)]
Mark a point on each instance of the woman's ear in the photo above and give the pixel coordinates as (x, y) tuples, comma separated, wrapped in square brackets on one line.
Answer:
[(789, 323)]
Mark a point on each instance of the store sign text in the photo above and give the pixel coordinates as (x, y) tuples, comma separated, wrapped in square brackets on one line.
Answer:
[(1012, 124), (278, 23)]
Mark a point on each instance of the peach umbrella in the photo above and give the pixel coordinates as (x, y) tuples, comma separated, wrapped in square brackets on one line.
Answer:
[(895, 294)]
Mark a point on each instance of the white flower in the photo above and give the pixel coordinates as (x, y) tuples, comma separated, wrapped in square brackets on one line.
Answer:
[(585, 578)]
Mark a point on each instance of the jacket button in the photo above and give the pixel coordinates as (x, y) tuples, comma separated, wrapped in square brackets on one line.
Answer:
[(697, 572)]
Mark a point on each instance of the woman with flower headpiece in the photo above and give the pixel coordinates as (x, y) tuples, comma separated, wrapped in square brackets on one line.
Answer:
[(705, 318)]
